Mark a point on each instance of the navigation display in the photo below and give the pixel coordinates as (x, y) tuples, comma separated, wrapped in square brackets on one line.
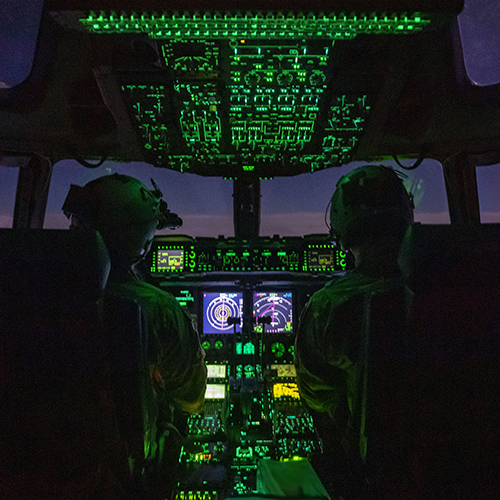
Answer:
[(218, 308), (170, 260), (277, 307)]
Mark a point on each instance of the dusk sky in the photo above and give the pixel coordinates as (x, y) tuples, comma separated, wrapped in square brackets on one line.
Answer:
[(290, 206)]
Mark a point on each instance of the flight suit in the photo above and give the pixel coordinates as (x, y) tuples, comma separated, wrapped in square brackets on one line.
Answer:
[(329, 358), (176, 358)]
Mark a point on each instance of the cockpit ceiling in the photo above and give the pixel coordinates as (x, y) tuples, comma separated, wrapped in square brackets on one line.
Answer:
[(237, 89), (220, 88)]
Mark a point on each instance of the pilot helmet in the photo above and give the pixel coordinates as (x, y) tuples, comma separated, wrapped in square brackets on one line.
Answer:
[(370, 204), (123, 210)]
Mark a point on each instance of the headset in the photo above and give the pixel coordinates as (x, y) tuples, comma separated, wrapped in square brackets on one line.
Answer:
[(119, 200), (372, 197)]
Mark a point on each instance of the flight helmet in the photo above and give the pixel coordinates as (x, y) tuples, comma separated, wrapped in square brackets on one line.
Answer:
[(123, 210), (370, 204)]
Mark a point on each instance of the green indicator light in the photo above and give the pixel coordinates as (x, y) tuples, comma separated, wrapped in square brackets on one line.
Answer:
[(292, 27), (239, 348), (278, 349), (248, 348)]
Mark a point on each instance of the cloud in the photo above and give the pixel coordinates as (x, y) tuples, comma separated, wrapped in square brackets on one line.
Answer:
[(203, 225), (284, 224)]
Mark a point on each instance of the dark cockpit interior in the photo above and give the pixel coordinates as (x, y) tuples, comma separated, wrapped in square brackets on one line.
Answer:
[(249, 90)]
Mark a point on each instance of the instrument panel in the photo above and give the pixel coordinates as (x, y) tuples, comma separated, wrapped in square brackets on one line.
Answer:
[(183, 255), (245, 297)]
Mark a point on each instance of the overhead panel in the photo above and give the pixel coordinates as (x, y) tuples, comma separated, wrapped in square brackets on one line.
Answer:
[(262, 25), (260, 93)]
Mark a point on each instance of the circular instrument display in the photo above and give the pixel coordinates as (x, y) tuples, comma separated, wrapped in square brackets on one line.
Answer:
[(277, 307), (278, 349), (218, 308)]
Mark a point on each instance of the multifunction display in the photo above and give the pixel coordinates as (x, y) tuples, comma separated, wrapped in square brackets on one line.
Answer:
[(222, 312), (217, 255), (170, 260), (273, 311)]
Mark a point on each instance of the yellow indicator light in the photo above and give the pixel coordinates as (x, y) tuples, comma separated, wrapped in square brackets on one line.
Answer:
[(202, 456), (286, 390)]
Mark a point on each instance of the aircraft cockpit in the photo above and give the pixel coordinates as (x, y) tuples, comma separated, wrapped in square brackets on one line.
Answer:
[(243, 112)]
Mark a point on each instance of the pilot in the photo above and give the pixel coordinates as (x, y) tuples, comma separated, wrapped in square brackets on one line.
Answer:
[(370, 213), (126, 213)]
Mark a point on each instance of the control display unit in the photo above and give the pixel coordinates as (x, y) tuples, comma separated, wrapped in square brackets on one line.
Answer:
[(216, 371), (324, 257), (284, 370), (215, 391), (286, 390)]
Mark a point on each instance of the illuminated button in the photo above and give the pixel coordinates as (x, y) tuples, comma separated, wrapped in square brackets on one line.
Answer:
[(278, 349)]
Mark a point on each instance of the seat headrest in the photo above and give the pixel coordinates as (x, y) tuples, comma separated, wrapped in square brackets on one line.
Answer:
[(446, 256), (52, 268)]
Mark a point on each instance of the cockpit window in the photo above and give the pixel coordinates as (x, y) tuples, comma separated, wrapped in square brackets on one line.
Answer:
[(290, 206), (295, 206), (205, 204), (19, 23), (489, 199), (479, 30), (426, 182), (8, 185)]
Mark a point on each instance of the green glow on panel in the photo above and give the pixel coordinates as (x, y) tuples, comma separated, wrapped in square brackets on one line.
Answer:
[(278, 349), (270, 101), (248, 348), (249, 371), (255, 26)]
